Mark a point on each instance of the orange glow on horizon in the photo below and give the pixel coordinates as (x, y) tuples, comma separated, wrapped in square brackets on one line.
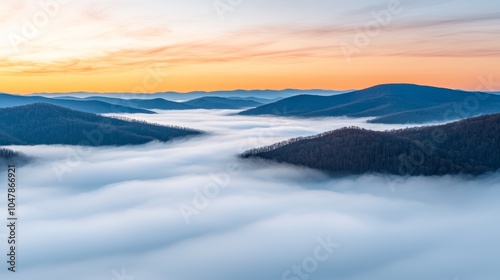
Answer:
[(94, 46), (332, 74)]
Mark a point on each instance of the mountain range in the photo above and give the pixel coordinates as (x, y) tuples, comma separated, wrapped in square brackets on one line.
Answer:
[(90, 106), (470, 146), (208, 102), (107, 105), (390, 104), (177, 96), (214, 102)]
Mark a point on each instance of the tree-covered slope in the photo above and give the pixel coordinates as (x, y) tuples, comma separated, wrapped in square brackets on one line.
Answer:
[(49, 124), (470, 146)]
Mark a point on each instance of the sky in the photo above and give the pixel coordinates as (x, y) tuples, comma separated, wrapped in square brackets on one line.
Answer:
[(169, 45)]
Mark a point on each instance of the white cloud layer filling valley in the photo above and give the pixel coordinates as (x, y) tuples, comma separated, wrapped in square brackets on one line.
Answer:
[(190, 209)]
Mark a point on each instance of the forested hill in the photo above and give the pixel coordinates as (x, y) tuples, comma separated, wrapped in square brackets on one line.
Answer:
[(470, 146), (49, 124), (391, 103), (10, 157)]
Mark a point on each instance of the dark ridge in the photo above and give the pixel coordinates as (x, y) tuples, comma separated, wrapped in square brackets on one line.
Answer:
[(470, 146)]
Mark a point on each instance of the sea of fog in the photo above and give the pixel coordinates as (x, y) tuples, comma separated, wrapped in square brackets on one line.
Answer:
[(191, 210)]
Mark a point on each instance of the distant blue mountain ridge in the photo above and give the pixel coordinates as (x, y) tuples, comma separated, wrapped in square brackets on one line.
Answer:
[(390, 104)]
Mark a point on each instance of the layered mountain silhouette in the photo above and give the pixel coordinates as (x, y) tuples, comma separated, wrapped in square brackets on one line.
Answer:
[(42, 123), (470, 146), (90, 106), (262, 95), (391, 104), (213, 102), (209, 102), (151, 104)]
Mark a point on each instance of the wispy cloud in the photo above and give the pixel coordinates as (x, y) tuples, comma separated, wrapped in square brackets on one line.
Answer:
[(95, 38)]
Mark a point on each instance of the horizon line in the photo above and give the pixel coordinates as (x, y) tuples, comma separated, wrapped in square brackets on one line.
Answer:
[(230, 90)]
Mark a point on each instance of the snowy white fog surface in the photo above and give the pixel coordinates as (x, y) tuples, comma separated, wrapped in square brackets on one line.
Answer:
[(190, 210)]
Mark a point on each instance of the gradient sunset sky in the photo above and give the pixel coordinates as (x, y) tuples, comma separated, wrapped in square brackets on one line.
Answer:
[(174, 45)]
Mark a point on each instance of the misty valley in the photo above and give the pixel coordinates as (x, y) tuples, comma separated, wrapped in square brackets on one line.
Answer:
[(463, 147), (249, 140), (220, 184)]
